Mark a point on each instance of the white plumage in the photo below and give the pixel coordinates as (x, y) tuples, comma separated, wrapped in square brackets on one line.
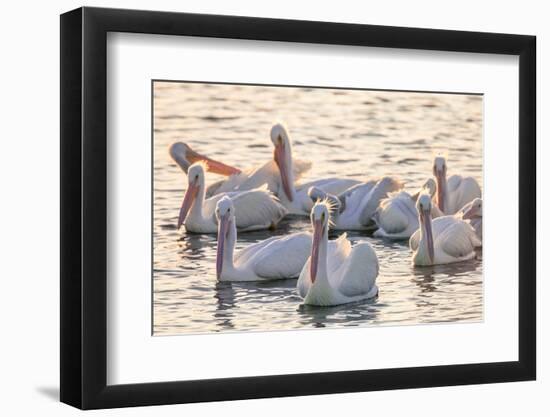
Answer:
[(336, 274), (292, 195), (279, 174), (266, 174), (354, 209), (444, 240), (302, 202), (473, 214), (397, 217), (257, 209), (455, 192), (273, 258)]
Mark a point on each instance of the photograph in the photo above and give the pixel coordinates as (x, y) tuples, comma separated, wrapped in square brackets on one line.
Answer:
[(293, 207), (286, 207)]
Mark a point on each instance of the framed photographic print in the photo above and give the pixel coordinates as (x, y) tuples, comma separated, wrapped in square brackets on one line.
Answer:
[(258, 207)]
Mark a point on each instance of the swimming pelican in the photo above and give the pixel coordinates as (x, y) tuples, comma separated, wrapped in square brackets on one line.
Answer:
[(355, 208), (295, 196), (336, 274), (243, 180), (397, 217), (443, 240), (273, 258), (473, 214), (256, 209), (455, 192), (279, 174)]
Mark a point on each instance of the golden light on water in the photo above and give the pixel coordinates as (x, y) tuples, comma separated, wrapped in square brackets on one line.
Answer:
[(352, 133)]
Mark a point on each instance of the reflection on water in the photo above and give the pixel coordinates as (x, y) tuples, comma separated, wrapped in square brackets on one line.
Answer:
[(359, 134)]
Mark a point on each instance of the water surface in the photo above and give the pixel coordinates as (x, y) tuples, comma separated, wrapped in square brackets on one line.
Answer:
[(354, 133)]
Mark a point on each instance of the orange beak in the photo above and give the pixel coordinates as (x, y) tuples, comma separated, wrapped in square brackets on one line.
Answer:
[(314, 262), (426, 219), (211, 164), (279, 156), (188, 200), (440, 178), (223, 227)]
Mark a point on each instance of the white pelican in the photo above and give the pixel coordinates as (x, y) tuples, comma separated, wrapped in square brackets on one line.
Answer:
[(295, 196), (257, 209), (397, 217), (355, 208), (443, 240), (273, 258), (455, 192), (473, 213), (279, 174), (252, 178), (336, 274)]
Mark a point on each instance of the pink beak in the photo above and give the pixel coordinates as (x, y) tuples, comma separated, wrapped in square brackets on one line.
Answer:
[(188, 200), (283, 169), (314, 262), (426, 218), (223, 227), (211, 164), (439, 176)]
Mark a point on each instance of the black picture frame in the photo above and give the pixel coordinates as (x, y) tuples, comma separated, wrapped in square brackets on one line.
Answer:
[(84, 207)]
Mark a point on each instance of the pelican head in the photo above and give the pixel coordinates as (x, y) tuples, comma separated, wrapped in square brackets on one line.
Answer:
[(184, 156), (320, 217), (440, 174), (195, 178), (424, 207), (283, 158), (474, 210), (334, 204), (225, 213), (429, 187)]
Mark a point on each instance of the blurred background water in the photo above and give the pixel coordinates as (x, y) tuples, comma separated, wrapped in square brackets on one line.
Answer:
[(354, 133)]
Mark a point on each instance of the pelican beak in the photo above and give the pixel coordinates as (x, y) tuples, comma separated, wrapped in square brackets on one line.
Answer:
[(317, 235), (427, 220), (223, 228), (440, 178), (188, 200), (211, 165), (469, 214), (279, 156)]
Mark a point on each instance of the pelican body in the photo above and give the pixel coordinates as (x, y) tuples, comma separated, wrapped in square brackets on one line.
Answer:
[(473, 214), (354, 209), (456, 191), (279, 174), (397, 217), (336, 274), (257, 209), (273, 258), (444, 240), (295, 196)]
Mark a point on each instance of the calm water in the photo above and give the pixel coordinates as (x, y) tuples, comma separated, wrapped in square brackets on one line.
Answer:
[(360, 134)]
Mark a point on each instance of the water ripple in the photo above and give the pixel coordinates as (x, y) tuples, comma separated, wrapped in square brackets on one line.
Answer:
[(360, 134)]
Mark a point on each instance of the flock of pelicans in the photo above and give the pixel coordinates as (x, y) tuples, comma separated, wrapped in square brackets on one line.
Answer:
[(442, 221)]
